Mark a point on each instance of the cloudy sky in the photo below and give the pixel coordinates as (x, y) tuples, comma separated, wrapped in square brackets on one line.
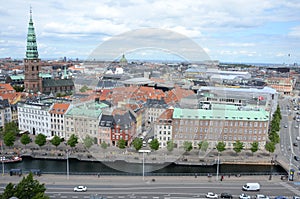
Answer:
[(256, 31)]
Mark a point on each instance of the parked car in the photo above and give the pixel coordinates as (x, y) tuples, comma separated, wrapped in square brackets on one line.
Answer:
[(80, 189), (281, 197), (244, 196), (226, 195), (296, 158), (261, 196), (211, 195)]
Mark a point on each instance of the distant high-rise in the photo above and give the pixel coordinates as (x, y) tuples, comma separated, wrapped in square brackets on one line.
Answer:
[(32, 81)]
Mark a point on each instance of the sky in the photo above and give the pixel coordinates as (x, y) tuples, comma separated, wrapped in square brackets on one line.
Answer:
[(256, 31)]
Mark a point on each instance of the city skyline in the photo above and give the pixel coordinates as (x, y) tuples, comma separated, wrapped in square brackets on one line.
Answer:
[(265, 32)]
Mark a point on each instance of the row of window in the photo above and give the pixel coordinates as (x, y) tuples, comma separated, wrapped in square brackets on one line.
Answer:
[(219, 137), (222, 123)]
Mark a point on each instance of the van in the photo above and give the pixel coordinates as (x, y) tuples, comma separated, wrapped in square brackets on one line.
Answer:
[(144, 143), (298, 138), (251, 187)]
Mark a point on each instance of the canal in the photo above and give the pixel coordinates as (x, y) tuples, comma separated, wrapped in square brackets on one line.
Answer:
[(123, 168)]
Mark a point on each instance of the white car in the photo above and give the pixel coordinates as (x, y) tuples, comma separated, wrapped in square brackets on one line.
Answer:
[(261, 196), (80, 189), (211, 195), (244, 196)]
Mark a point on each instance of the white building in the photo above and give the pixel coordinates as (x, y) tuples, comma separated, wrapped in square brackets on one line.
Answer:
[(34, 117)]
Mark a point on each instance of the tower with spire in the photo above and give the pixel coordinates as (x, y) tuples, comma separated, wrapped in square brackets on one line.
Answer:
[(32, 81)]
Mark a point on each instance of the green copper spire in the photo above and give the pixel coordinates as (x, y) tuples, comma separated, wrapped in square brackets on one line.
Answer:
[(31, 51)]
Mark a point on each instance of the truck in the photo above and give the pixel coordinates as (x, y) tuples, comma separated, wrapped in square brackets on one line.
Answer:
[(254, 186)]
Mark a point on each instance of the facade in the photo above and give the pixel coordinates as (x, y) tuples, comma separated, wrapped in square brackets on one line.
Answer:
[(57, 114), (34, 117), (83, 120), (283, 85), (124, 128), (104, 132), (163, 128), (5, 112), (228, 125)]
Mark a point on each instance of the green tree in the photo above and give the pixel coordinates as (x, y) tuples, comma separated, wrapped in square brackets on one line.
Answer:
[(40, 140), (270, 147), (9, 139), (254, 147), (137, 143), (121, 143), (187, 146), (170, 145), (72, 141), (88, 141), (56, 141), (203, 145), (27, 188), (221, 146), (274, 137), (25, 139), (238, 146), (104, 145), (11, 127), (154, 144)]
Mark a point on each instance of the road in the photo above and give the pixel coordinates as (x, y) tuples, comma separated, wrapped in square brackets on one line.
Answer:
[(288, 135), (164, 187), (153, 190)]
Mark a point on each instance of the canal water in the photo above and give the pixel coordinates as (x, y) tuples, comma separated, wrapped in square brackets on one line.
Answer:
[(91, 168)]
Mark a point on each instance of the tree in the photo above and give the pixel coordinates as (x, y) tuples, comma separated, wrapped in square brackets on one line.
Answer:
[(203, 145), (25, 139), (104, 145), (154, 144), (56, 141), (254, 147), (137, 143), (11, 127), (121, 143), (9, 139), (25, 189), (88, 141), (274, 137), (221, 146), (270, 147), (187, 146), (40, 140), (238, 146), (72, 141), (170, 145)]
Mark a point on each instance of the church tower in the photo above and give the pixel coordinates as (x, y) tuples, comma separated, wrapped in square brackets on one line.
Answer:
[(32, 81)]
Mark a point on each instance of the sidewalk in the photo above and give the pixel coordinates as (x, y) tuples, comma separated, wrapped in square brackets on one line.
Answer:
[(125, 180)]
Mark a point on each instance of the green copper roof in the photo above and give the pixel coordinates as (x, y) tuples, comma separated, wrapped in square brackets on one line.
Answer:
[(221, 114), (31, 50), (91, 110)]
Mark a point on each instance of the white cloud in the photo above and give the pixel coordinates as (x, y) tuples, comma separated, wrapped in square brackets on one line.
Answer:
[(295, 32)]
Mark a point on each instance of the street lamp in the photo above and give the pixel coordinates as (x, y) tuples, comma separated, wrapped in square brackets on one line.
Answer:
[(143, 166), (218, 164), (67, 164)]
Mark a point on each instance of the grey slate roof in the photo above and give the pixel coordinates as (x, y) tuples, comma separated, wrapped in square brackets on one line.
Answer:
[(57, 82)]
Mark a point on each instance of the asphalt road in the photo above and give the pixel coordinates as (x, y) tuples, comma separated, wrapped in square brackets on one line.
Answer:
[(164, 187)]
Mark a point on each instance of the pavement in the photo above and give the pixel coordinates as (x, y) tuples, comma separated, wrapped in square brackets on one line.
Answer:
[(126, 180)]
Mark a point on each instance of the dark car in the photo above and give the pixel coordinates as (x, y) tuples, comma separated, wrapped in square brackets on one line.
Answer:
[(296, 158), (281, 197), (226, 195), (295, 144)]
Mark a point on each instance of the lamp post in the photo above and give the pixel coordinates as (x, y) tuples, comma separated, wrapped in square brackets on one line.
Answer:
[(271, 168), (2, 158), (218, 164), (67, 164), (143, 166)]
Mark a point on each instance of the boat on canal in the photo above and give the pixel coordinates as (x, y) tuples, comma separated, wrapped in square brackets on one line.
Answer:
[(10, 159)]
